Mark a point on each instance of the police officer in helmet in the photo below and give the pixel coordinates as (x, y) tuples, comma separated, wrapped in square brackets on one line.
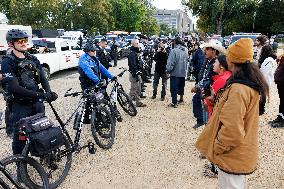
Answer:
[(22, 74), (91, 72)]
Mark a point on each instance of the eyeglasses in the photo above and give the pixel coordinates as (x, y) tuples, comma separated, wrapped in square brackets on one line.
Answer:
[(21, 40)]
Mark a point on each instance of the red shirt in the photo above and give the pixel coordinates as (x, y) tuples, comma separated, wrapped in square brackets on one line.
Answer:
[(219, 81)]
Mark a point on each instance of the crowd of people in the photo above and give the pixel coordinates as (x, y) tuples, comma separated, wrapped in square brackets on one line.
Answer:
[(233, 81), (230, 92)]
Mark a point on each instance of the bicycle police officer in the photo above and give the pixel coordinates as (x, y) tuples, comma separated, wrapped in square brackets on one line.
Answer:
[(22, 74), (91, 72)]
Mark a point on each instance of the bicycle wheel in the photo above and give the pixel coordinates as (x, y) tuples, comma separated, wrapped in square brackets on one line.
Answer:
[(14, 166), (103, 128), (126, 103), (56, 164), (105, 103)]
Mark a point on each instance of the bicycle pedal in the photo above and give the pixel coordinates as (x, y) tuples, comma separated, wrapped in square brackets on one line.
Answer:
[(92, 149)]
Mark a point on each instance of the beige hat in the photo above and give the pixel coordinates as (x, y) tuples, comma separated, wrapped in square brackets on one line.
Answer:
[(215, 44)]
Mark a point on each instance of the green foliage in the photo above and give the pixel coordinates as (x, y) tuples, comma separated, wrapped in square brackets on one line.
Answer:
[(92, 15), (166, 30), (223, 16), (270, 16)]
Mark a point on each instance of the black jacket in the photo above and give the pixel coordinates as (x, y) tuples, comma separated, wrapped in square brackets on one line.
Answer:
[(161, 62), (205, 75), (279, 73), (133, 62), (104, 57)]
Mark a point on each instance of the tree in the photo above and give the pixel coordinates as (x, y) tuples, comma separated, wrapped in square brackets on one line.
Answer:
[(270, 17), (134, 15), (36, 13), (215, 14)]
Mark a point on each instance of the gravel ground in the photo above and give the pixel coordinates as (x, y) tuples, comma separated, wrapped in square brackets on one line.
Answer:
[(156, 149)]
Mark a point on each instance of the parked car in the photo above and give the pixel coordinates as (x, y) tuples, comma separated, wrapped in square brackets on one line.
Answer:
[(236, 37)]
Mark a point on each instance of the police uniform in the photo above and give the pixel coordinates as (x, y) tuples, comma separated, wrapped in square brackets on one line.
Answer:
[(21, 77)]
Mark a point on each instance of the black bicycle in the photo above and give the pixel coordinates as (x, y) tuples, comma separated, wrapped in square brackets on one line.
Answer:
[(119, 95), (13, 177), (12, 172), (58, 163)]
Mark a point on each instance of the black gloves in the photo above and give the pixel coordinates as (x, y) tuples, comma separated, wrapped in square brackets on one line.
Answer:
[(49, 96), (114, 78)]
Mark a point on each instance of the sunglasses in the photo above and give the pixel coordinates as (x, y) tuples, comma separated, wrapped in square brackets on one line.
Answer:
[(21, 40)]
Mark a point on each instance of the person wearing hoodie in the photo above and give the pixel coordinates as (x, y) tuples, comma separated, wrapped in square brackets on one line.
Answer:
[(176, 68), (230, 139)]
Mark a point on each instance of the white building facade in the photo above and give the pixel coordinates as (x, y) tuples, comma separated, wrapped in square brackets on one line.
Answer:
[(175, 19)]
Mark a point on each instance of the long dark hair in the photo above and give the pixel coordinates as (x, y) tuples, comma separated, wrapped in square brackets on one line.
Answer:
[(251, 72), (266, 52), (223, 62)]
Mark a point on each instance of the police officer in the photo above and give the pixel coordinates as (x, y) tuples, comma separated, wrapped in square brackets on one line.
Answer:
[(102, 54), (22, 74), (91, 70), (114, 51)]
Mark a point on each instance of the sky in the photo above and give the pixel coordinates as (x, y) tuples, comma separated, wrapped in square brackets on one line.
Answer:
[(167, 4)]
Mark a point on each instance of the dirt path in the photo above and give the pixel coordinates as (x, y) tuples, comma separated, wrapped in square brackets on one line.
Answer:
[(156, 149)]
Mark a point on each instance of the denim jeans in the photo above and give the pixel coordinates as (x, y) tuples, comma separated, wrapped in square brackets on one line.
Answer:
[(157, 77), (177, 87), (197, 107)]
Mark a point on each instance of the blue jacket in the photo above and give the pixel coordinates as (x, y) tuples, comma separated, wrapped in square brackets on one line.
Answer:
[(89, 72)]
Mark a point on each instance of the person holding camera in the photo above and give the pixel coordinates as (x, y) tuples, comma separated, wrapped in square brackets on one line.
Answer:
[(22, 75), (135, 73), (160, 58)]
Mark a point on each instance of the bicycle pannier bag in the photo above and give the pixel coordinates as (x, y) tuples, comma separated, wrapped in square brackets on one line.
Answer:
[(44, 137)]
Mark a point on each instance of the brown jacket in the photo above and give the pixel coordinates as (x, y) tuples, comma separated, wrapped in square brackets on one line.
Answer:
[(230, 139)]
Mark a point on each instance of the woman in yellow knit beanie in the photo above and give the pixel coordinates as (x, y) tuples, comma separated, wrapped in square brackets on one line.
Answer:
[(230, 139)]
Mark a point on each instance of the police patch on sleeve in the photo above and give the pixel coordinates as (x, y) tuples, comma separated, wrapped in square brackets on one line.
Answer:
[(7, 75)]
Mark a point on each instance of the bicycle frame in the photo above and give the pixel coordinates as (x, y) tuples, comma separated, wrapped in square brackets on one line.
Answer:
[(74, 144)]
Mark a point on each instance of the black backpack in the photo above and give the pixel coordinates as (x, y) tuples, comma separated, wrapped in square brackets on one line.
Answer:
[(44, 137)]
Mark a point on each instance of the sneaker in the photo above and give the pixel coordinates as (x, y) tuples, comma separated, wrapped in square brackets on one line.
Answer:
[(163, 98), (278, 124), (142, 96), (141, 104), (181, 102), (198, 124), (173, 105), (153, 97), (278, 119)]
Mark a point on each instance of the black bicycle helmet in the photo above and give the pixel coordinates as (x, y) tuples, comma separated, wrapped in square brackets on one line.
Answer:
[(15, 34), (89, 47)]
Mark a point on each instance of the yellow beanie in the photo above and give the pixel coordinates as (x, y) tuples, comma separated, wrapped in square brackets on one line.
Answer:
[(241, 51)]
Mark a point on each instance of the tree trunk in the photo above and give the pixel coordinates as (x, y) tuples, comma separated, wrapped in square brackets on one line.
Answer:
[(219, 25)]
